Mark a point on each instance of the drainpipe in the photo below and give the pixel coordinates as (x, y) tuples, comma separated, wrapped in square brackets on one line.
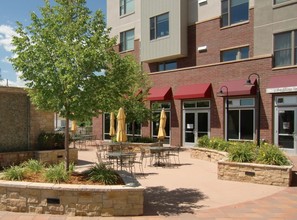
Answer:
[(28, 122)]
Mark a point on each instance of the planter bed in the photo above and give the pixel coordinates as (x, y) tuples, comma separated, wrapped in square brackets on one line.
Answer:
[(44, 156), (245, 172), (72, 200)]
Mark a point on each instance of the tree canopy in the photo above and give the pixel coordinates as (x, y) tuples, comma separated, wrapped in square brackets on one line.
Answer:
[(67, 60)]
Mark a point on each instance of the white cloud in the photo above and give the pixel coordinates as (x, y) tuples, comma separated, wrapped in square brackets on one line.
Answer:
[(6, 34)]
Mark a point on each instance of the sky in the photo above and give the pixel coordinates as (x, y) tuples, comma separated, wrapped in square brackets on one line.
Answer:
[(12, 11)]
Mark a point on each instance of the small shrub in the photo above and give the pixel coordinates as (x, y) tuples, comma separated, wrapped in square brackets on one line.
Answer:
[(272, 155), (218, 144), (141, 139), (56, 173), (203, 141), (242, 152), (33, 166), (100, 173), (48, 141), (14, 173)]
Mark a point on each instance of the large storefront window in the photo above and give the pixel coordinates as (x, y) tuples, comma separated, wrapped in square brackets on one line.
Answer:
[(241, 119), (156, 115), (129, 128)]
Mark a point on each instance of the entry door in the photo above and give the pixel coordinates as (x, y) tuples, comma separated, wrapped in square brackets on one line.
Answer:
[(286, 129), (196, 124)]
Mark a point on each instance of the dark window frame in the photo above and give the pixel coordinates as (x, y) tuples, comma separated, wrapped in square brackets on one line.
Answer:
[(231, 15), (124, 8), (124, 40), (164, 66), (156, 24), (281, 51), (239, 52)]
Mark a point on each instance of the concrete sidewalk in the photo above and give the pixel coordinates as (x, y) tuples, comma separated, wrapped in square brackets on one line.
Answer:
[(192, 191)]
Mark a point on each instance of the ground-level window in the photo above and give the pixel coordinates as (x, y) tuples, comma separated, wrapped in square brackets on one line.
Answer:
[(157, 107), (129, 127), (241, 119)]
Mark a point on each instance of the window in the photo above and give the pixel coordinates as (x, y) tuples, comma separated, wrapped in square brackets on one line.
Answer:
[(126, 7), (129, 127), (167, 66), (137, 129), (159, 26), (279, 1), (127, 40), (241, 119), (157, 107), (234, 11), (235, 54), (285, 49), (196, 104)]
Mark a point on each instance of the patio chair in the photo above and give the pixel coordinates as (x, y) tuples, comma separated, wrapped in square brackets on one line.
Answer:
[(127, 162), (102, 160), (174, 153), (140, 160)]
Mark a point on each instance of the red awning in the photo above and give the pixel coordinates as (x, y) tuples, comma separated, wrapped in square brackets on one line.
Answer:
[(159, 94), (193, 91), (238, 87), (285, 83)]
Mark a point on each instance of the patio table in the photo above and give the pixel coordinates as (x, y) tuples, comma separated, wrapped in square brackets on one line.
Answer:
[(121, 156), (157, 152)]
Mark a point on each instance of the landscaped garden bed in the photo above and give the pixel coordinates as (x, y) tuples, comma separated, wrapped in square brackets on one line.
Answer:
[(241, 161), (90, 196)]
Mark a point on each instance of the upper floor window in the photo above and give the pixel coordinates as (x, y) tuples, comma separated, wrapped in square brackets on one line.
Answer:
[(127, 40), (159, 26), (167, 66), (285, 49), (126, 7), (279, 1), (234, 11), (235, 54)]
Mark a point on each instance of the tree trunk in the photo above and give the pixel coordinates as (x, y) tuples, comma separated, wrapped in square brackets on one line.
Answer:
[(67, 144)]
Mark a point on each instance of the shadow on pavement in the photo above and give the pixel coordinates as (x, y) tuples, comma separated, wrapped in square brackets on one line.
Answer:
[(160, 201)]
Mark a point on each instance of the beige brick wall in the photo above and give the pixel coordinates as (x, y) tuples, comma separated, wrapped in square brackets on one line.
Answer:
[(20, 122)]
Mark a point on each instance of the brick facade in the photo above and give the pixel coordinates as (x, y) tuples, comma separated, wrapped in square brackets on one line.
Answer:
[(206, 67), (20, 122)]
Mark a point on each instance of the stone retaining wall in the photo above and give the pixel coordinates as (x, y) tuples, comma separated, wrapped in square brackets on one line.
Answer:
[(245, 172), (255, 173), (208, 154), (72, 200), (49, 157)]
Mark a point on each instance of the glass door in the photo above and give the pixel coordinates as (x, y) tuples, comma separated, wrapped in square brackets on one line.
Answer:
[(286, 129), (196, 124)]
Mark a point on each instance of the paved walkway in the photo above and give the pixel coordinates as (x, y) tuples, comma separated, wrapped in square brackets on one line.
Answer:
[(192, 191)]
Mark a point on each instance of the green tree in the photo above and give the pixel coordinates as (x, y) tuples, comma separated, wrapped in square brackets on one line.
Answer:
[(133, 101), (68, 62)]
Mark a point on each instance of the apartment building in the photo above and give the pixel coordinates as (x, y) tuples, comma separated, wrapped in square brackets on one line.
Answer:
[(200, 54)]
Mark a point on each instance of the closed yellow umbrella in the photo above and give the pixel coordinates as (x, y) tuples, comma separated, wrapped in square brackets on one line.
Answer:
[(111, 127), (162, 124), (73, 126), (121, 131)]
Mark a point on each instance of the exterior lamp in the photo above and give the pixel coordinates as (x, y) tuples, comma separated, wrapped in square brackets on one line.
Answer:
[(249, 83), (221, 94)]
